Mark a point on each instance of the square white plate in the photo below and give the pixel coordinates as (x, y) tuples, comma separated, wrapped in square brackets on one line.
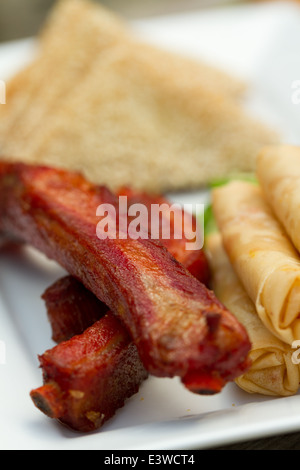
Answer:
[(258, 43)]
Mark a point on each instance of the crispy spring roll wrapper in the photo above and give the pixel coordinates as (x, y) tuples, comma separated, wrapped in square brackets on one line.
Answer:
[(89, 377), (278, 172), (273, 371), (262, 255), (178, 325)]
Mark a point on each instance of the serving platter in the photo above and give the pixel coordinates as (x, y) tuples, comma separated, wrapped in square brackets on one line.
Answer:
[(259, 44)]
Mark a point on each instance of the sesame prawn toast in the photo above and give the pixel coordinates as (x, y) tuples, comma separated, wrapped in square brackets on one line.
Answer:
[(64, 56), (25, 87), (146, 125), (123, 112), (177, 324), (81, 43)]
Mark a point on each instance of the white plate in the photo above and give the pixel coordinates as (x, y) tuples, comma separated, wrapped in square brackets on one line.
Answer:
[(258, 43)]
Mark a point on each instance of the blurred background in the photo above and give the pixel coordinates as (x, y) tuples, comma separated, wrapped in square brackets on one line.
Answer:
[(23, 18)]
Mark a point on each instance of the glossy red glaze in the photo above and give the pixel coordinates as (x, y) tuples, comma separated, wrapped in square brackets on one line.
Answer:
[(166, 310), (194, 260), (88, 377), (71, 308)]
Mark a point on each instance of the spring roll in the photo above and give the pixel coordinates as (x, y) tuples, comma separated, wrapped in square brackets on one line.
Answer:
[(278, 171), (262, 255), (273, 371)]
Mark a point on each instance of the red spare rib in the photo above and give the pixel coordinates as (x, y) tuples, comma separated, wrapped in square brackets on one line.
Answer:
[(90, 376), (96, 366), (178, 325), (71, 308), (173, 215)]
